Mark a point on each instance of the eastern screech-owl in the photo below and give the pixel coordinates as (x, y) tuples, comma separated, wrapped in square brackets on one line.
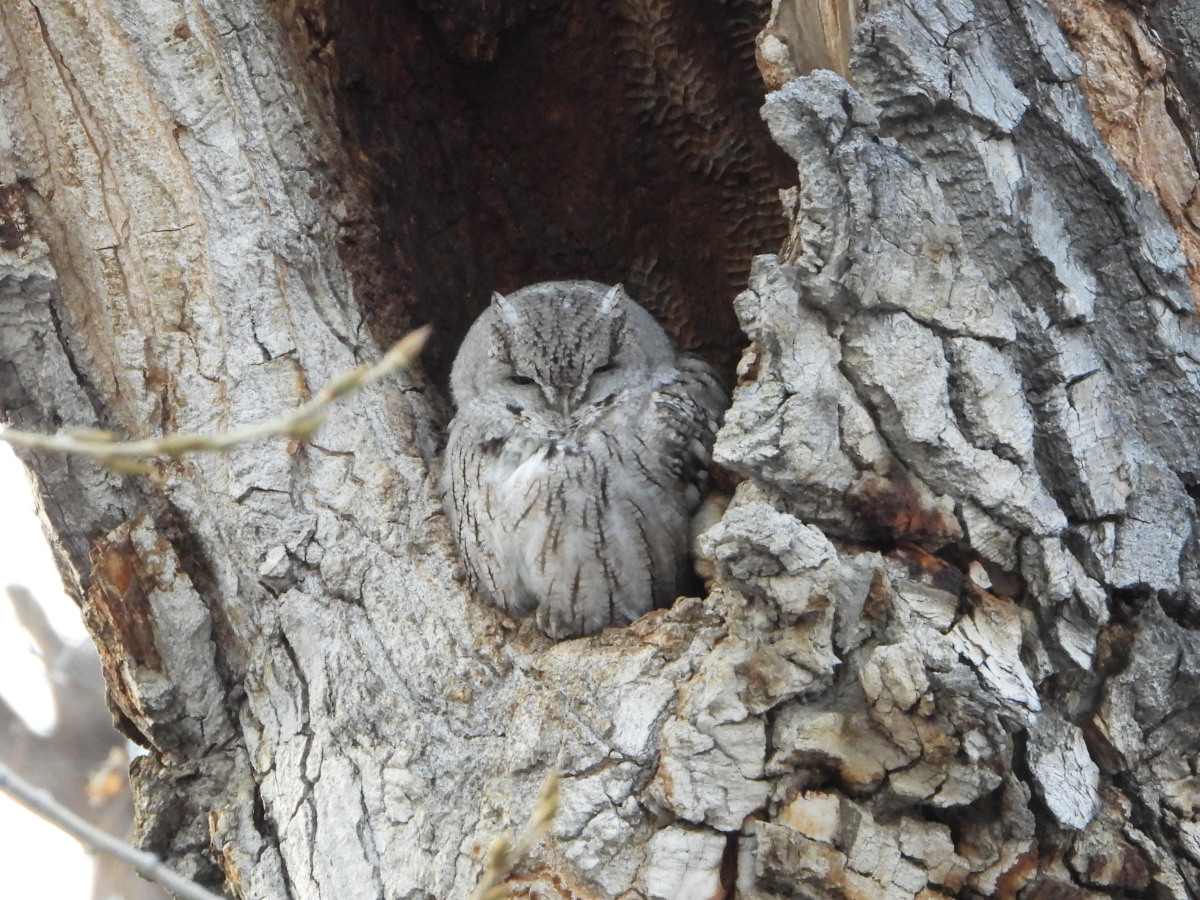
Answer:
[(577, 456)]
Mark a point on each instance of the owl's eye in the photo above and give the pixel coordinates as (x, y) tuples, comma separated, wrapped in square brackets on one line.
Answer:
[(520, 379), (607, 367)]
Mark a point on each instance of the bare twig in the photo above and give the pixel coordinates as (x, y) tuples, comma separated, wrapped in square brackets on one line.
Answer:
[(503, 855), (301, 422), (145, 864)]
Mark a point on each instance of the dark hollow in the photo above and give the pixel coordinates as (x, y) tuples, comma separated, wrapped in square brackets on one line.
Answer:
[(513, 141)]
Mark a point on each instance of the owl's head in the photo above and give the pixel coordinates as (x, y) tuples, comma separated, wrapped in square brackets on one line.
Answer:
[(567, 343)]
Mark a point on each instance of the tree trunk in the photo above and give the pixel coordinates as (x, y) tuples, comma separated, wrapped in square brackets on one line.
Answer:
[(951, 645)]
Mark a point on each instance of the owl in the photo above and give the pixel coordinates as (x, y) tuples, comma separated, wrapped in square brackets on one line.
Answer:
[(577, 455)]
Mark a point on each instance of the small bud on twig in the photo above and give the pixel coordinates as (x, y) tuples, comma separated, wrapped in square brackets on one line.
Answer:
[(503, 856)]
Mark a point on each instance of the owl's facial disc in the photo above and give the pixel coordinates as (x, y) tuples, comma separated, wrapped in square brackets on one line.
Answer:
[(531, 325)]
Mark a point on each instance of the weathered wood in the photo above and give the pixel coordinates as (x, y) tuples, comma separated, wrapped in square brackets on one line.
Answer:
[(951, 646)]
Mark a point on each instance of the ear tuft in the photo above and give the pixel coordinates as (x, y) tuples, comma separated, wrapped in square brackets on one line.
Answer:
[(505, 309), (611, 302)]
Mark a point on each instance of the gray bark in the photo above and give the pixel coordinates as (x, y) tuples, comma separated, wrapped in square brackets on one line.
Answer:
[(951, 649)]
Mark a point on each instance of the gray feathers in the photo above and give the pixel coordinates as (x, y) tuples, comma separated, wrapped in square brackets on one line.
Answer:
[(577, 455)]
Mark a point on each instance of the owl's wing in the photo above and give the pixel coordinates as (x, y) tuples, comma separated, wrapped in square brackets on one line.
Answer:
[(688, 410), (474, 453)]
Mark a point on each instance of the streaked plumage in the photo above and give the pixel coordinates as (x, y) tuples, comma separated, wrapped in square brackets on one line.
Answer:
[(577, 455)]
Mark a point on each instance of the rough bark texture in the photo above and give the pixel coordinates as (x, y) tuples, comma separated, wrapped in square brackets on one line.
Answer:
[(951, 647)]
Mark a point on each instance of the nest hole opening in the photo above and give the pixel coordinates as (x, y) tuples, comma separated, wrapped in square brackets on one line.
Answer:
[(503, 144)]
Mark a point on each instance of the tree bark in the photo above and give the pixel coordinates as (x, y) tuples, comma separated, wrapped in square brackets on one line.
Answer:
[(951, 645)]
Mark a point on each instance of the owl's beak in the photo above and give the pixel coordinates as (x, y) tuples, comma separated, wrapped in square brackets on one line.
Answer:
[(573, 399), (560, 399)]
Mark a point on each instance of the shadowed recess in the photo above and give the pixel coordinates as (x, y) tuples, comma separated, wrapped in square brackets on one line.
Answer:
[(509, 143)]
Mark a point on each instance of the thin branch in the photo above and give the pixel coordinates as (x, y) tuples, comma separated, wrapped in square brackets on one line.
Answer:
[(300, 423), (503, 856), (145, 864)]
